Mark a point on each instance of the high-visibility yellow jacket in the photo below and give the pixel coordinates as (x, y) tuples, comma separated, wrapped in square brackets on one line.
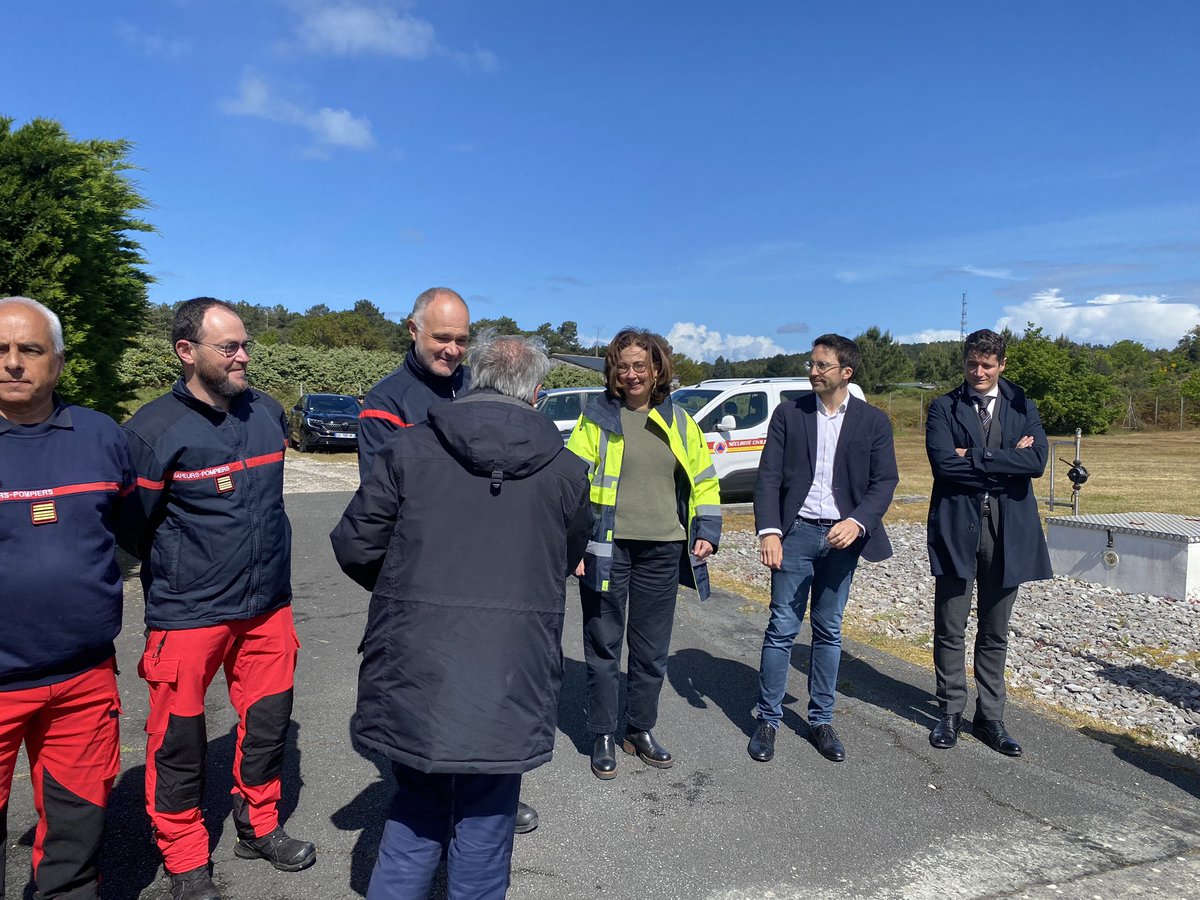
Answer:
[(598, 440)]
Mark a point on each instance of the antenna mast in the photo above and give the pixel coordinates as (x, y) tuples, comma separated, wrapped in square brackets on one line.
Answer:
[(962, 326)]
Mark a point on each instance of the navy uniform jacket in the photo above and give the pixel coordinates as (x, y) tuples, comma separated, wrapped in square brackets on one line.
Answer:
[(63, 484), (864, 469), (402, 400), (215, 542), (1005, 473)]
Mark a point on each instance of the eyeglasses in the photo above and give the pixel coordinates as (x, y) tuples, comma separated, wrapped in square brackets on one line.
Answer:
[(229, 350), (638, 368), (820, 368)]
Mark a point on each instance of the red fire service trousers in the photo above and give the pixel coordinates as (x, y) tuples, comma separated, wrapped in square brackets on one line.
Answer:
[(71, 733), (259, 657)]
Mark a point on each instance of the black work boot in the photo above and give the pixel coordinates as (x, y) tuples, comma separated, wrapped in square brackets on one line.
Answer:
[(527, 818), (284, 853), (194, 884)]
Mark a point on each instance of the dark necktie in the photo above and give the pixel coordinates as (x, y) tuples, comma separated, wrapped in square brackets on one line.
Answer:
[(985, 417)]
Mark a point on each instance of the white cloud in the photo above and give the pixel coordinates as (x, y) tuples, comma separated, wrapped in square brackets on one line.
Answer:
[(700, 343), (152, 44), (1152, 320), (998, 274), (928, 336), (350, 30), (367, 29), (330, 127), (847, 276)]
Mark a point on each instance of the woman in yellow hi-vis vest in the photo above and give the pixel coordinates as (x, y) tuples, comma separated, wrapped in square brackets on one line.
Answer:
[(658, 518)]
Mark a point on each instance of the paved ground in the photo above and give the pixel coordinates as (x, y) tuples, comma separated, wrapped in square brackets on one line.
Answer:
[(1076, 817)]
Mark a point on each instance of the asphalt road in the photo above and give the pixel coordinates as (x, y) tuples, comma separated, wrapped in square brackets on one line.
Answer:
[(1075, 817)]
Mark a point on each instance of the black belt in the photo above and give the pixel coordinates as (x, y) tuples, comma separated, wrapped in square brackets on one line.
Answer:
[(823, 523)]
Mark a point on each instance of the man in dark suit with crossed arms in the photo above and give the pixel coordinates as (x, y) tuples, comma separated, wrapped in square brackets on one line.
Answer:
[(827, 476), (985, 443)]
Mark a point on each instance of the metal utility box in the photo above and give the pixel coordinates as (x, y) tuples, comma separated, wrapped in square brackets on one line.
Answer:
[(1138, 552)]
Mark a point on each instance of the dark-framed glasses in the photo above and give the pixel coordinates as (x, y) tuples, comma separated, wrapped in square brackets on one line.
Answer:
[(230, 349), (638, 368), (820, 367)]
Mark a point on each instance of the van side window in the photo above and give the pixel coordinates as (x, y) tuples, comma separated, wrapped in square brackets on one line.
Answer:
[(785, 396), (747, 409)]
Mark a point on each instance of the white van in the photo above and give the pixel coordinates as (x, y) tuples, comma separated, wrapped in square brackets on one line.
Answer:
[(563, 406), (734, 414)]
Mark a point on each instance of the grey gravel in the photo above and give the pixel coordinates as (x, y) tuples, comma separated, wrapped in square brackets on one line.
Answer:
[(1130, 660)]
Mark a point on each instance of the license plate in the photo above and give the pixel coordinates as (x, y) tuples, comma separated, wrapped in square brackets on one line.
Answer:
[(343, 434)]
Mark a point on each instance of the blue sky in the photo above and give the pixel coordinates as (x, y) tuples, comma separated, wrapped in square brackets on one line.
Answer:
[(741, 177)]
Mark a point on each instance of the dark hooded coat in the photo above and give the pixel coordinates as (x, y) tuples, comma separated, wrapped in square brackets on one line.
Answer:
[(465, 534)]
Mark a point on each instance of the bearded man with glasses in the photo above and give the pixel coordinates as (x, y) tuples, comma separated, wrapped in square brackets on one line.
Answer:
[(216, 571)]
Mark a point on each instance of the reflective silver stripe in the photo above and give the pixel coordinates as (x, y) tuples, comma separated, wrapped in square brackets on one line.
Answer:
[(681, 425), (708, 509), (604, 481), (596, 548), (710, 472), (591, 467), (601, 456)]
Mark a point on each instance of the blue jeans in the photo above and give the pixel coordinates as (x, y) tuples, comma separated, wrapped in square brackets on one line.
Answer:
[(471, 816), (811, 570)]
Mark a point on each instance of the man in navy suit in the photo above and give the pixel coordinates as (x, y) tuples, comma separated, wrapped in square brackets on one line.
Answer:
[(985, 443), (827, 476)]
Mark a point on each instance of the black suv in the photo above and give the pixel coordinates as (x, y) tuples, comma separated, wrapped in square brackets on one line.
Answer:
[(324, 420)]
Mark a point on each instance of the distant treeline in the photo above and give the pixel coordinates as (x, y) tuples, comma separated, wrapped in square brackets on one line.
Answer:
[(1084, 386)]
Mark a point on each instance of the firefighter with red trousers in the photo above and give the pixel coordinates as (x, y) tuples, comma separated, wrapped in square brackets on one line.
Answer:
[(64, 473), (216, 570)]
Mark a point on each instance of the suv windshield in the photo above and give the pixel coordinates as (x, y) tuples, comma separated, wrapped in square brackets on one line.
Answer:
[(333, 405), (693, 399)]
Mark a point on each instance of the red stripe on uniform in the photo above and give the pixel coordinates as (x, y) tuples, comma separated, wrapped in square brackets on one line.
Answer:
[(226, 468), (150, 485), (265, 459), (91, 487), (386, 416)]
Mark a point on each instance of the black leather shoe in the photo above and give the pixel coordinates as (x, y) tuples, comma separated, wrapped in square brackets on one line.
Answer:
[(762, 745), (827, 743), (527, 818), (604, 757), (993, 733), (284, 853), (945, 732), (648, 750), (194, 884)]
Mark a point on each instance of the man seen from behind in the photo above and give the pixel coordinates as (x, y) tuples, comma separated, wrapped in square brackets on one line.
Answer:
[(465, 530)]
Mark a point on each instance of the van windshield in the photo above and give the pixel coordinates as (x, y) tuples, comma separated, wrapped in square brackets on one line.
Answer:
[(693, 399)]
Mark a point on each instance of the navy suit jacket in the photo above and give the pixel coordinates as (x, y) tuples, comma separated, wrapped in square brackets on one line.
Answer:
[(1004, 472), (864, 469)]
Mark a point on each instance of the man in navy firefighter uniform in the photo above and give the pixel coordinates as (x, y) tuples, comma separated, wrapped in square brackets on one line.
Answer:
[(216, 570), (64, 471)]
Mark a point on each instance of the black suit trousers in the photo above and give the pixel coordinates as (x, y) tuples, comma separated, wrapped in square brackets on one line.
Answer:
[(951, 607)]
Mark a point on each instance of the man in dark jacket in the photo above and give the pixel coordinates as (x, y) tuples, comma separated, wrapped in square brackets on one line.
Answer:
[(433, 371), (827, 476), (440, 325), (465, 531), (216, 570), (65, 474), (985, 444)]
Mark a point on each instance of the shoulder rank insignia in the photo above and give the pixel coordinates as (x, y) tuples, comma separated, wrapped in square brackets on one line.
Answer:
[(224, 484)]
